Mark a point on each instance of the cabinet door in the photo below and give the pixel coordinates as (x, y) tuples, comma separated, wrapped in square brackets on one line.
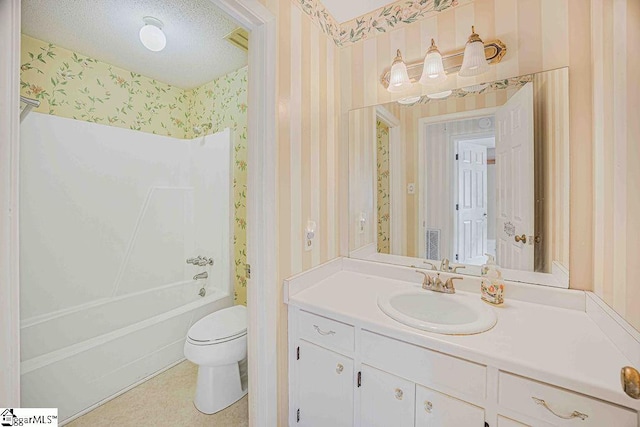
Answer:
[(385, 400), (508, 422), (325, 387), (435, 409)]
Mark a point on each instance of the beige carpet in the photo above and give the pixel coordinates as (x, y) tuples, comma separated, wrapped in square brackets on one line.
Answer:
[(165, 400)]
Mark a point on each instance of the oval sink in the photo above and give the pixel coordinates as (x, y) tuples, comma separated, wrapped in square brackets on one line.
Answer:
[(453, 314)]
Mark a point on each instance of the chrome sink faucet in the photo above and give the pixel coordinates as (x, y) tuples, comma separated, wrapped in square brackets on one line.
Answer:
[(437, 285), (202, 275)]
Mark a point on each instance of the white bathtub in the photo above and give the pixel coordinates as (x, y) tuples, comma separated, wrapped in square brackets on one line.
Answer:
[(81, 357)]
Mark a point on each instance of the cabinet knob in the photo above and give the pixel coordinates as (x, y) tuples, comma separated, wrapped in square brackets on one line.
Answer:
[(399, 394), (339, 368), (428, 406)]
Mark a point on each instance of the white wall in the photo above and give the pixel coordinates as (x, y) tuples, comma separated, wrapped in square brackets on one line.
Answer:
[(107, 211)]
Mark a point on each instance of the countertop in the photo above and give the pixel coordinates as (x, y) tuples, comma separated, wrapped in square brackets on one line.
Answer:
[(556, 345)]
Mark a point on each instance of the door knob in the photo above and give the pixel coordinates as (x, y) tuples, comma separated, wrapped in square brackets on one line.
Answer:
[(522, 238), (630, 378)]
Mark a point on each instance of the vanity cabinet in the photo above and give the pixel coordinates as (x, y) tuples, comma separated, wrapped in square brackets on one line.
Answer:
[(385, 399), (325, 387), (345, 375), (437, 409)]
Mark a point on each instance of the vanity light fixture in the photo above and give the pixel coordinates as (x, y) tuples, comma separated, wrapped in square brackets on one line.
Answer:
[(433, 70), (475, 88), (440, 95), (474, 61), (409, 100), (398, 79), (151, 34)]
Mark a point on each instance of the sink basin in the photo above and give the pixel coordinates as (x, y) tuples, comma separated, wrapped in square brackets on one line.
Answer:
[(452, 314)]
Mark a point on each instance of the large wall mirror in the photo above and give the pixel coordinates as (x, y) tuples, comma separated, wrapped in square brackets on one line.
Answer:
[(445, 180)]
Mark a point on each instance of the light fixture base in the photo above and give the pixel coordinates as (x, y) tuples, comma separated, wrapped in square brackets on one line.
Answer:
[(150, 20)]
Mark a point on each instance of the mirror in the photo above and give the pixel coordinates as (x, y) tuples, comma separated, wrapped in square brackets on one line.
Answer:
[(459, 175)]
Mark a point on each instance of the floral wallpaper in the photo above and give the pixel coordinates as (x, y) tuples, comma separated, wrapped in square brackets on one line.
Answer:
[(380, 20), (75, 86), (382, 148)]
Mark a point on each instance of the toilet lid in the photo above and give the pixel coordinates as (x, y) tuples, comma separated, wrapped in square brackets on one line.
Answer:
[(221, 325)]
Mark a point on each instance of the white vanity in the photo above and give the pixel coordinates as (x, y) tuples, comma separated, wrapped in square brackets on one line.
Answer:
[(546, 362)]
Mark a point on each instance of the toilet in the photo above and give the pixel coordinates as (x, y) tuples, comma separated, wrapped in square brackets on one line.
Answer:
[(217, 343)]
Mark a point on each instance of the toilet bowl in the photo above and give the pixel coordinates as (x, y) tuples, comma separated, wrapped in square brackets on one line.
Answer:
[(217, 343)]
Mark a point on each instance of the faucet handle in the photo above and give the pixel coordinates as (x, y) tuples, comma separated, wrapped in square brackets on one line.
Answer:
[(428, 280), (455, 269), (433, 267), (449, 283)]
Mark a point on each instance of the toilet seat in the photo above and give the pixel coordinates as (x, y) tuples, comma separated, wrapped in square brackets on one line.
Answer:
[(219, 327)]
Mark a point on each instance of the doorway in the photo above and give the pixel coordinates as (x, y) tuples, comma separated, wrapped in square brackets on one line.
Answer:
[(261, 220)]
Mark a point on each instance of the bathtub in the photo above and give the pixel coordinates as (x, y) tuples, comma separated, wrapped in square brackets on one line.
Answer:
[(76, 359)]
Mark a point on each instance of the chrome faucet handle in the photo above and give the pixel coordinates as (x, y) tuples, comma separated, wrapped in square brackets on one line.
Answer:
[(428, 280), (449, 286), (455, 269), (192, 260)]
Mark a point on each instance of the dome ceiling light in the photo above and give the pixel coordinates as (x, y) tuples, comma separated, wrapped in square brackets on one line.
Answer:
[(151, 34)]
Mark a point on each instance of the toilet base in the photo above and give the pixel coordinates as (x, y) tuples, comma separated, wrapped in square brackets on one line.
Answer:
[(218, 387)]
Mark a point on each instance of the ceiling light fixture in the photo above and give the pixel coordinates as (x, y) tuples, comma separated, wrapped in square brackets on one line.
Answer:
[(151, 34), (398, 79), (474, 61), (433, 71)]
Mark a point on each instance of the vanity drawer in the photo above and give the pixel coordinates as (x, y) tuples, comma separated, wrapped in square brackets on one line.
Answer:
[(435, 370), (560, 407), (326, 332)]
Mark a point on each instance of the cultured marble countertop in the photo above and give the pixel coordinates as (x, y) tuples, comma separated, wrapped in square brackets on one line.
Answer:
[(559, 346)]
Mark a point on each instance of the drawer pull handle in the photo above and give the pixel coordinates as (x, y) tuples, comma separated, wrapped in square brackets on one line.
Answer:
[(339, 368), (399, 394), (428, 406), (321, 332), (574, 414)]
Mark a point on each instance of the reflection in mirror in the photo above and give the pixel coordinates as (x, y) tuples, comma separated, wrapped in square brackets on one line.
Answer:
[(452, 178)]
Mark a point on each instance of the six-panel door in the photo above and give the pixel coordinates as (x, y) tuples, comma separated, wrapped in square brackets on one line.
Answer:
[(385, 400), (325, 387)]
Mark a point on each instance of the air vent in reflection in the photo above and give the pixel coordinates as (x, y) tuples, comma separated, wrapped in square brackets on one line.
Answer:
[(239, 38)]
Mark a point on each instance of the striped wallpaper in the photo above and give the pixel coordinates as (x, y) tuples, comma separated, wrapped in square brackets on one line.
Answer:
[(616, 101), (309, 157)]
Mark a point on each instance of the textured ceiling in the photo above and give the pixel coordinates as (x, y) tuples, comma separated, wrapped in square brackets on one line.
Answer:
[(346, 10), (107, 30)]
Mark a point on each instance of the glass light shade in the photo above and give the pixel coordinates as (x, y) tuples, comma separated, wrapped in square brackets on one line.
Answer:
[(433, 69), (399, 77), (153, 38), (409, 100), (475, 88), (440, 95), (474, 61)]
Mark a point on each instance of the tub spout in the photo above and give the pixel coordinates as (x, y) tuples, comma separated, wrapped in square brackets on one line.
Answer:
[(202, 275)]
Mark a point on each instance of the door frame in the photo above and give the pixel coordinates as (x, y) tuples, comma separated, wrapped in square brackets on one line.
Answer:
[(262, 147), (396, 193), (422, 160)]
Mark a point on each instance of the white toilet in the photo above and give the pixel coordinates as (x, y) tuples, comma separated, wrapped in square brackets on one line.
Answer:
[(218, 344)]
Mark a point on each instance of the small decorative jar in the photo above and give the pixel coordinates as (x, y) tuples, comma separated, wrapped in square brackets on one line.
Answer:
[(492, 286)]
